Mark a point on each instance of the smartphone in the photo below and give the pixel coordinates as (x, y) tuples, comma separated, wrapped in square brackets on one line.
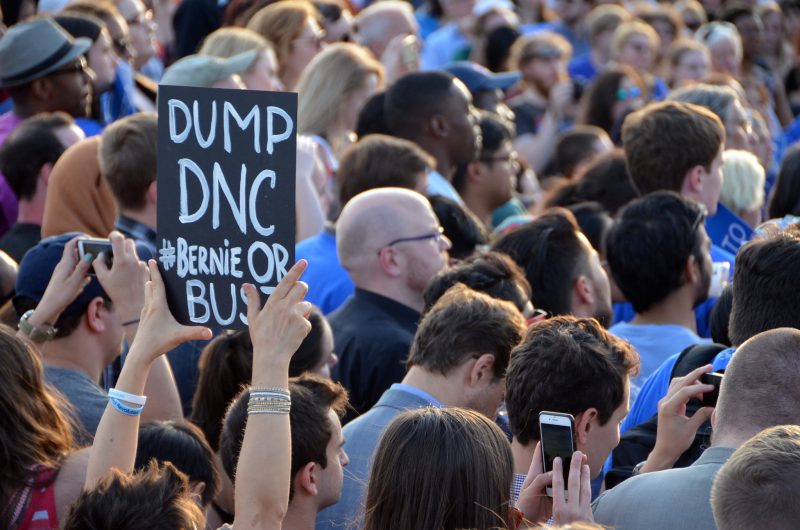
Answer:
[(95, 247), (709, 398), (409, 51), (557, 434)]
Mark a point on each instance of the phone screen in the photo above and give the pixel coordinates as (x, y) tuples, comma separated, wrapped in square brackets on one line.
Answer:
[(95, 247), (557, 441)]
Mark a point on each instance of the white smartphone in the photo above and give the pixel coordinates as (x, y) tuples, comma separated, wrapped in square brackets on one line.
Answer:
[(557, 434), (95, 247)]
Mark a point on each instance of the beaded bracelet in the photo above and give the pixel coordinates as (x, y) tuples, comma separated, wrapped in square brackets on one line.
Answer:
[(277, 389)]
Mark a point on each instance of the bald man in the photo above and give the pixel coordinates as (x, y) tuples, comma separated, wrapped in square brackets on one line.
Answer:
[(391, 245), (381, 27)]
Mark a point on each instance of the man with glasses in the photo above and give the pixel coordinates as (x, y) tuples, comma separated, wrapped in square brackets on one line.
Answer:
[(391, 245), (43, 68)]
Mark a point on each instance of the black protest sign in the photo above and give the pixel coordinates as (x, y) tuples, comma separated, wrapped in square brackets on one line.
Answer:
[(226, 189)]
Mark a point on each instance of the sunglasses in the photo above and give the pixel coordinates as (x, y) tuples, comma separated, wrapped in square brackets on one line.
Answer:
[(626, 94)]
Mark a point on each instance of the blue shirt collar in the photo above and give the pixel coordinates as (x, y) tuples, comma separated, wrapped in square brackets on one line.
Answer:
[(419, 393)]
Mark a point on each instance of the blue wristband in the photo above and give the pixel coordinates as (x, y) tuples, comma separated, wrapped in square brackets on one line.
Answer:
[(124, 409)]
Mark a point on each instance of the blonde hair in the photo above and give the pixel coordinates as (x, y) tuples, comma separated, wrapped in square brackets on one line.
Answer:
[(281, 23), (335, 73), (526, 49), (626, 30), (606, 17), (743, 181), (680, 49), (230, 41)]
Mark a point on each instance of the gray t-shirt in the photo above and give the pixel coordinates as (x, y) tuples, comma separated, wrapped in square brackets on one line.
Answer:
[(86, 397)]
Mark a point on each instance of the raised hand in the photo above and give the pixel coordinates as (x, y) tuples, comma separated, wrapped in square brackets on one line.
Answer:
[(533, 501), (66, 284), (577, 505), (124, 281)]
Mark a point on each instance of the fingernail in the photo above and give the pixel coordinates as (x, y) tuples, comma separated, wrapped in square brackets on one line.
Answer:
[(557, 459), (88, 258)]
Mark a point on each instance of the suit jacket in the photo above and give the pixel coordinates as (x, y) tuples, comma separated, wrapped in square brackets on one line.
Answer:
[(361, 439), (674, 498)]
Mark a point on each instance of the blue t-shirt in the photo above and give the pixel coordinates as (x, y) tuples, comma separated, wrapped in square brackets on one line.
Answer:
[(654, 343), (657, 385), (442, 47), (582, 68), (328, 283), (623, 312), (438, 185)]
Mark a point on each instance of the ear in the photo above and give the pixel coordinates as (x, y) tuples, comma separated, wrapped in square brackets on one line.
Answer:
[(691, 272), (93, 315), (714, 419), (439, 126), (41, 88), (391, 262), (693, 183), (197, 488), (152, 193), (306, 480), (584, 290), (584, 423), (475, 172), (482, 370), (44, 174)]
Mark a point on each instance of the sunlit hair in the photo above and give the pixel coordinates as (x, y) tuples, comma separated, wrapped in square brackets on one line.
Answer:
[(441, 469), (227, 42), (281, 23), (333, 75), (33, 429)]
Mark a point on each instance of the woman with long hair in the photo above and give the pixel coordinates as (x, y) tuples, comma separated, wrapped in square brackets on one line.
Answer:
[(613, 94)]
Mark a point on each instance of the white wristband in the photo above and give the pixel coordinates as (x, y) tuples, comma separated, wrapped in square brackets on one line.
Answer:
[(124, 396)]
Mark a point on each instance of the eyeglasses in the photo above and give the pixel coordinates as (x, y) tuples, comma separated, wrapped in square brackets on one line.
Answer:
[(81, 67), (435, 236), (317, 40), (510, 158), (626, 94), (122, 44), (142, 19)]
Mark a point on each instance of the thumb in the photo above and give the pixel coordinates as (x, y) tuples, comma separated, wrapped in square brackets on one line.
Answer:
[(253, 303), (700, 417), (194, 333)]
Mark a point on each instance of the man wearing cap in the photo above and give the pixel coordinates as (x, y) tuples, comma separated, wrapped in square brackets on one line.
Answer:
[(44, 70), (487, 88), (209, 72), (87, 335)]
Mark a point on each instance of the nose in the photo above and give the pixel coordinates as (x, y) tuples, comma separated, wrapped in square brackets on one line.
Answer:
[(445, 243), (89, 74), (333, 360)]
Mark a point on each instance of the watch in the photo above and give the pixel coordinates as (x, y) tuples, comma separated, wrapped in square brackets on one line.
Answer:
[(36, 334)]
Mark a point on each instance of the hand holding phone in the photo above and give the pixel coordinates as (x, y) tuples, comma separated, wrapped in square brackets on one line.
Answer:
[(709, 398), (556, 432), (95, 247)]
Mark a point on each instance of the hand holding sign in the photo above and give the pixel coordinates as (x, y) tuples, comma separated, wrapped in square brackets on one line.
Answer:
[(226, 198)]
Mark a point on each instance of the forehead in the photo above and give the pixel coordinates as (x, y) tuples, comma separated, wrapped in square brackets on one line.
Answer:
[(460, 93)]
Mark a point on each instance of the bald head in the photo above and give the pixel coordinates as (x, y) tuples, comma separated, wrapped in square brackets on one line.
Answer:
[(383, 21), (760, 386)]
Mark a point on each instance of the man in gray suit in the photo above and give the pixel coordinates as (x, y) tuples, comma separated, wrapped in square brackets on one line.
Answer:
[(759, 390), (458, 359)]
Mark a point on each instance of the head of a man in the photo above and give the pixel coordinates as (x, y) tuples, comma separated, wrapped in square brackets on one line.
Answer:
[(28, 154), (90, 321), (467, 337), (434, 110), (676, 147), (128, 149), (390, 242), (492, 273), (754, 488), (44, 69), (572, 366), (657, 247), (318, 456), (380, 23), (758, 390), (542, 60), (563, 269), (765, 285)]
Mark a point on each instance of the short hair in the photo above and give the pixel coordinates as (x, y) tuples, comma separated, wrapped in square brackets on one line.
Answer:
[(765, 285), (786, 196), (310, 353), (628, 29), (329, 79), (30, 146), (682, 47), (606, 181), (495, 130), (754, 488), (128, 152), (648, 246), (566, 364), (371, 119), (594, 221), (312, 397), (720, 317), (605, 18), (225, 366), (550, 252), (184, 446), (544, 43), (463, 323), (715, 32), (413, 99), (379, 161), (467, 234), (664, 141), (743, 181), (281, 23), (499, 42), (575, 146), (156, 498), (718, 99), (491, 273)]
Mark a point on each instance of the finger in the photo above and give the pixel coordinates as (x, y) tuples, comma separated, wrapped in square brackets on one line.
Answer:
[(695, 374), (297, 293), (195, 333), (155, 277), (700, 417), (682, 396), (304, 308), (586, 487), (558, 482), (253, 303), (536, 468), (82, 266), (70, 254), (574, 480), (101, 266), (289, 280), (117, 244)]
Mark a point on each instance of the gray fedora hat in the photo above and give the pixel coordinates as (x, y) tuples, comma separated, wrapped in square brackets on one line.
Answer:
[(31, 50)]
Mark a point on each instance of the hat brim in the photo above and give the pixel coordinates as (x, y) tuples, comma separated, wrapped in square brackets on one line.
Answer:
[(238, 63), (80, 46), (503, 81)]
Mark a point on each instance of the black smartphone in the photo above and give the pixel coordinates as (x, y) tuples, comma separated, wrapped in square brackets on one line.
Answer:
[(95, 247), (709, 398), (557, 434)]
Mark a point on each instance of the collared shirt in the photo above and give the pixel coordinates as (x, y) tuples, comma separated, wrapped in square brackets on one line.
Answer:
[(329, 285), (419, 393), (438, 185), (516, 487), (143, 235)]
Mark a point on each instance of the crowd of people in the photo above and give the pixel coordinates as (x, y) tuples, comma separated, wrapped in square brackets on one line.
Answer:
[(503, 210)]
